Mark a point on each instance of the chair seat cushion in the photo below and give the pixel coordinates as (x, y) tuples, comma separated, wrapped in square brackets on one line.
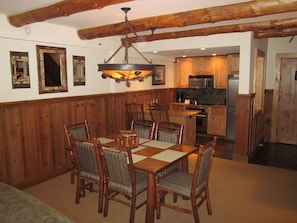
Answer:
[(141, 184), (180, 183), (91, 176), (168, 170)]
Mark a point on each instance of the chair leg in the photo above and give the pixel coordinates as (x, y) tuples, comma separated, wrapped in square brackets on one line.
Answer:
[(209, 209), (106, 203), (78, 191), (195, 210), (100, 198), (132, 208)]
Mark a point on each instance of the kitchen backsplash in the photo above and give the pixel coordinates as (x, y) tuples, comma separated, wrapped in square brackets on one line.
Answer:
[(202, 96)]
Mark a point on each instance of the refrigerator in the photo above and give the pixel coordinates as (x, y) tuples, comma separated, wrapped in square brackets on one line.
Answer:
[(232, 91)]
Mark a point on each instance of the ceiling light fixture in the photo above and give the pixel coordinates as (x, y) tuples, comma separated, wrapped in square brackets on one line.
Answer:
[(126, 71)]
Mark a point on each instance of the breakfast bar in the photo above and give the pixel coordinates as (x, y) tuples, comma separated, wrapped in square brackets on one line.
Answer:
[(185, 117)]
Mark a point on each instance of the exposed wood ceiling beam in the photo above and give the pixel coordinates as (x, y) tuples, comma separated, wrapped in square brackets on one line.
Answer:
[(200, 16), (63, 8), (276, 33), (262, 29), (208, 15)]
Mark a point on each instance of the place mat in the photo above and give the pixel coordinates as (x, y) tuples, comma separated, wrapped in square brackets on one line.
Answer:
[(158, 144), (168, 155), (134, 150), (104, 140), (136, 158)]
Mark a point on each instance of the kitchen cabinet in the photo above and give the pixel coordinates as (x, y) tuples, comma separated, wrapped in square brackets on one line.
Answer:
[(220, 71), (200, 66), (233, 63), (203, 65), (184, 68), (216, 120)]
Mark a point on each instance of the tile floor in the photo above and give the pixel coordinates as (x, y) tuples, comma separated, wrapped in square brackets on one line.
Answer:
[(270, 154)]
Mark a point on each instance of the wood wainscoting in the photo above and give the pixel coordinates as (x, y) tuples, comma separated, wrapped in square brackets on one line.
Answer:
[(32, 139), (249, 126)]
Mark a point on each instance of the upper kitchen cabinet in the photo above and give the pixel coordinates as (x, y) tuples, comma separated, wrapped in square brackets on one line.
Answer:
[(233, 63), (192, 66), (203, 65), (183, 68), (200, 66), (220, 71)]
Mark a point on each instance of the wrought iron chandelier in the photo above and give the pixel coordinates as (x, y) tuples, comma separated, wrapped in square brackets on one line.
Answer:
[(126, 71)]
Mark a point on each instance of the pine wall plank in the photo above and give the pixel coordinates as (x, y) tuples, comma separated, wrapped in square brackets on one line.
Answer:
[(32, 138)]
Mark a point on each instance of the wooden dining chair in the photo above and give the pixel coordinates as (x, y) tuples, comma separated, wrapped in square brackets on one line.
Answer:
[(159, 113), (191, 186), (134, 111), (87, 154), (144, 129), (121, 178), (172, 133), (78, 130)]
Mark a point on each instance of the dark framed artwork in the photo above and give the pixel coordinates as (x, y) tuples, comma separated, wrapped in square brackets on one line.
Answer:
[(158, 77), (20, 69), (51, 69), (79, 75)]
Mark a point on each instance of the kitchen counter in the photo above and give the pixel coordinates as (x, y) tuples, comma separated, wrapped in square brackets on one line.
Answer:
[(186, 118)]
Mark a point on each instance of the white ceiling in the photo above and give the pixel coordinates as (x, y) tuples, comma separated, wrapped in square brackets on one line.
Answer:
[(139, 9)]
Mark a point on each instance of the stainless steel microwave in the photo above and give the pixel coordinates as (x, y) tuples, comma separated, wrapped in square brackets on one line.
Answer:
[(201, 81)]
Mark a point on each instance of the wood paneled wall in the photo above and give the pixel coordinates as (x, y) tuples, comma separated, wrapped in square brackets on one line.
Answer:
[(32, 139)]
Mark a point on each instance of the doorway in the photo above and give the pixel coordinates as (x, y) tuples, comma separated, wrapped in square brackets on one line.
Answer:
[(284, 116)]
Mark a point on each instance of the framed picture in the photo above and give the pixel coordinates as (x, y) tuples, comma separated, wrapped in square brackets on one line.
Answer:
[(20, 69), (158, 77), (51, 69), (79, 75)]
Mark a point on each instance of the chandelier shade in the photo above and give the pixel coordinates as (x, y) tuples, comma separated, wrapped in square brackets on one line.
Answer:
[(126, 71)]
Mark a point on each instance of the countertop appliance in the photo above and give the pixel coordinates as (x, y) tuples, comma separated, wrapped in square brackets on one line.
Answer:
[(201, 81), (232, 91)]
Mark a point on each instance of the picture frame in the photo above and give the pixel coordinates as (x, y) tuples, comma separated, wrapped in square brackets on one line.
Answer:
[(51, 69), (158, 77), (20, 69), (79, 75)]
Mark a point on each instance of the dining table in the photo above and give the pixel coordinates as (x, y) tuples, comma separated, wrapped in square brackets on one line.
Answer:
[(151, 157)]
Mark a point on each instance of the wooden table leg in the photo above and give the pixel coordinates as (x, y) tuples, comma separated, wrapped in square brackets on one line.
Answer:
[(150, 205)]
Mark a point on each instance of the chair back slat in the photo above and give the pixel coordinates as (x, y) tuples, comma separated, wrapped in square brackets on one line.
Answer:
[(203, 166), (135, 111), (117, 166), (159, 113), (79, 132), (144, 129), (88, 162), (169, 132)]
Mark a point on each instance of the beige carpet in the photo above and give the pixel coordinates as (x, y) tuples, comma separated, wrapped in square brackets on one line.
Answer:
[(240, 193)]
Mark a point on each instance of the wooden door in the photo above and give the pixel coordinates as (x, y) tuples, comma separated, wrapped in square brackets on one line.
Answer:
[(284, 121)]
